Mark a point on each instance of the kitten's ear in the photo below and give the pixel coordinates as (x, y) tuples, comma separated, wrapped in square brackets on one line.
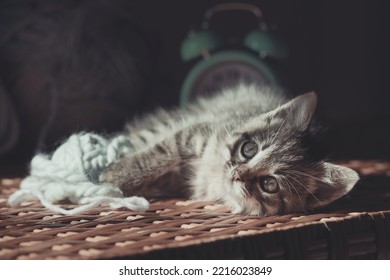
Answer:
[(337, 181), (298, 112)]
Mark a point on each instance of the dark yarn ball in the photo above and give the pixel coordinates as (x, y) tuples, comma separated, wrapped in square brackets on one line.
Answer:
[(73, 65)]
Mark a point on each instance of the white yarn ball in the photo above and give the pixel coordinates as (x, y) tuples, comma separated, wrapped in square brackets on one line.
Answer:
[(72, 173)]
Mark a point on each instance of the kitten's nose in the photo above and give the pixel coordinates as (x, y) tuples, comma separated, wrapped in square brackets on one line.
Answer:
[(236, 176)]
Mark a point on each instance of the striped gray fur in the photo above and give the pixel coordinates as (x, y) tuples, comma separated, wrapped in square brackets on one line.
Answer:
[(198, 151)]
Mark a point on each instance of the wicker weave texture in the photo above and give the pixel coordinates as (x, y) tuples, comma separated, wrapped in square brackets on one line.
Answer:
[(357, 226)]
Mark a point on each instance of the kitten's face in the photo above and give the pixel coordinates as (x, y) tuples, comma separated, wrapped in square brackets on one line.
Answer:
[(267, 171)]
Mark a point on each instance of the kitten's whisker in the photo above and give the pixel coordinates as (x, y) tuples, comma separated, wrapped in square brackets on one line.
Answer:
[(227, 131), (211, 164), (290, 176), (296, 172), (289, 187), (214, 161), (222, 157), (292, 185)]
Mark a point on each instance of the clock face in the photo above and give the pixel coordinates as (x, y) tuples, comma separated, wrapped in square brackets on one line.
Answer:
[(225, 74)]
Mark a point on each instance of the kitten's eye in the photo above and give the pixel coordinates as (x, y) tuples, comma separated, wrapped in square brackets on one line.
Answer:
[(269, 184), (249, 149)]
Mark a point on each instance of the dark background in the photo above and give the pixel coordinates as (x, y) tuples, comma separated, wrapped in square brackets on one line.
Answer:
[(337, 48)]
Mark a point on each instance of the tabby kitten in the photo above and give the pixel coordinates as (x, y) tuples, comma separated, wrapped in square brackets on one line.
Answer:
[(243, 148)]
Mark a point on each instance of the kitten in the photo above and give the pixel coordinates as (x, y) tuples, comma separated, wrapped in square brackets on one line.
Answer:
[(243, 148)]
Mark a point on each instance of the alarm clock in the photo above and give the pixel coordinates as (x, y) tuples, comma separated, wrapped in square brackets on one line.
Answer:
[(217, 64)]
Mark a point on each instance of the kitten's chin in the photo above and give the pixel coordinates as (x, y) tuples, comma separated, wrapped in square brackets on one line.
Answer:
[(240, 203), (248, 209)]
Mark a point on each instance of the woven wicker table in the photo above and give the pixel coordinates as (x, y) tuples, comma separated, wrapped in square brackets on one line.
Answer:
[(355, 227)]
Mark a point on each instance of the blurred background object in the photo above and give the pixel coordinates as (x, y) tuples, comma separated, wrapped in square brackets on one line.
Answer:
[(220, 61), (68, 65), (9, 123), (73, 65)]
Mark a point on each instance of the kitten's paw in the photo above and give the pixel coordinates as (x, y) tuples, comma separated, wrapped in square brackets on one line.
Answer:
[(110, 175), (120, 174)]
